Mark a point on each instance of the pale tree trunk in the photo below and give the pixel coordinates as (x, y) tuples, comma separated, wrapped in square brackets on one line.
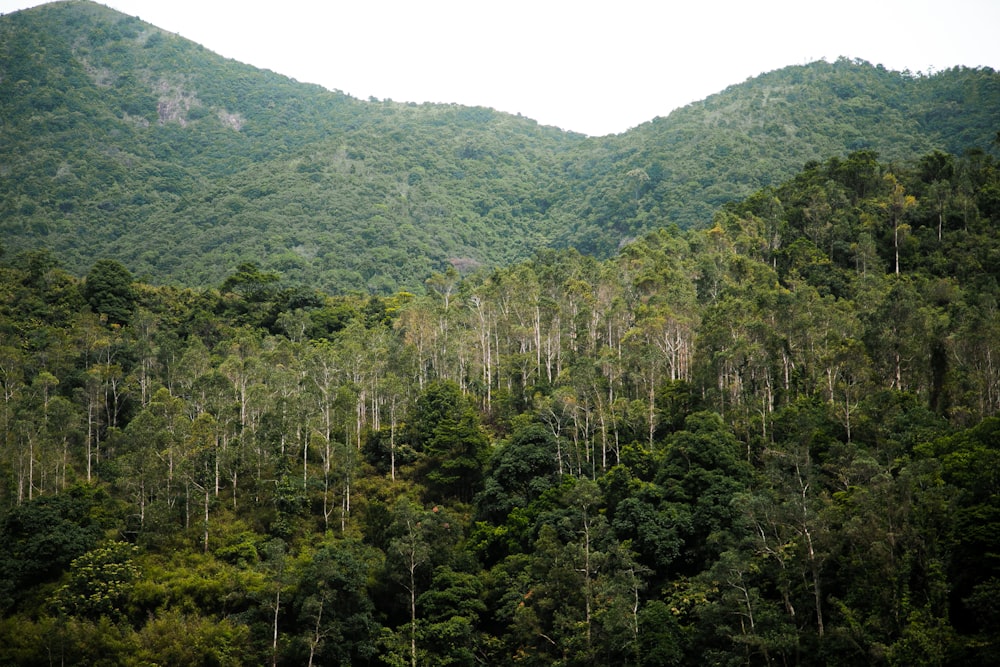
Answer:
[(317, 635), (813, 560), (274, 640), (208, 499), (587, 584)]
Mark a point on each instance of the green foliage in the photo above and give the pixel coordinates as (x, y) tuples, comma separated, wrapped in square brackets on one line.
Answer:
[(44, 536), (181, 639), (520, 470), (118, 131), (768, 441), (451, 609), (100, 583), (968, 461), (250, 282), (108, 290), (334, 603), (451, 444)]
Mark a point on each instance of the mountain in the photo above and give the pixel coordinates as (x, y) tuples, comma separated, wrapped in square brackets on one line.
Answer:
[(681, 168), (122, 140), (770, 438)]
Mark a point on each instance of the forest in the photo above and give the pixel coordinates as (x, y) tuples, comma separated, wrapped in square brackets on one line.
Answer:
[(292, 378), (771, 440), (122, 140)]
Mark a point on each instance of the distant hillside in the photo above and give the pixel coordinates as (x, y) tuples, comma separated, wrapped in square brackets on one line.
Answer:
[(122, 140), (679, 169)]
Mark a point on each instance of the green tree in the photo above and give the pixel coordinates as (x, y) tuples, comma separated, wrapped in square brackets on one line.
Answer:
[(897, 207), (450, 611), (100, 583), (967, 462), (336, 613), (184, 638), (44, 536), (446, 432), (108, 289), (251, 282), (701, 469), (520, 470), (408, 557)]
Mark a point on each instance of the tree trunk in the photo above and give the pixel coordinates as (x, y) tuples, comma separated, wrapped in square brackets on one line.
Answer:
[(317, 635), (274, 641)]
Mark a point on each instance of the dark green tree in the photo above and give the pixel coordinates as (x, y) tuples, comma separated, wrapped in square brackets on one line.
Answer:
[(520, 470), (701, 470), (969, 461), (42, 537), (250, 282), (108, 290), (336, 613), (450, 612), (445, 429)]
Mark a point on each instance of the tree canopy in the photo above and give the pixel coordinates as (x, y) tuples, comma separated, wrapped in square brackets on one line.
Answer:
[(771, 440), (124, 141)]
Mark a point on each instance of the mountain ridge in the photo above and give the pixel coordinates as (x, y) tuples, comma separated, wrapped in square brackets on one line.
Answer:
[(124, 140)]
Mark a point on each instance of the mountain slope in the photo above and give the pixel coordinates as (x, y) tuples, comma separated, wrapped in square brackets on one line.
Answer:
[(762, 132), (122, 140)]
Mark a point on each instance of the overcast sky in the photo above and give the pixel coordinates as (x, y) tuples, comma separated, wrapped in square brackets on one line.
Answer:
[(591, 67)]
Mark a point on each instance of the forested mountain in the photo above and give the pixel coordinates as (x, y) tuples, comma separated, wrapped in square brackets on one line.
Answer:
[(292, 378), (770, 441), (121, 140), (679, 169)]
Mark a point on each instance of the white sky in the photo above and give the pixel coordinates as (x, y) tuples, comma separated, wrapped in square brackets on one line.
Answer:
[(587, 66)]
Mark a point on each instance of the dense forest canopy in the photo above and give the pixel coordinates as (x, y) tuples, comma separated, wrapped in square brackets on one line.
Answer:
[(771, 441), (122, 140), (291, 378)]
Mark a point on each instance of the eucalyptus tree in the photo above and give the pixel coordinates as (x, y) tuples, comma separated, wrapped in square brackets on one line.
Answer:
[(898, 333), (975, 355), (417, 328), (104, 388), (421, 543), (362, 356), (150, 453), (325, 378), (396, 395), (145, 374), (801, 525), (485, 324), (278, 411), (241, 366), (48, 424), (12, 385), (897, 206)]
